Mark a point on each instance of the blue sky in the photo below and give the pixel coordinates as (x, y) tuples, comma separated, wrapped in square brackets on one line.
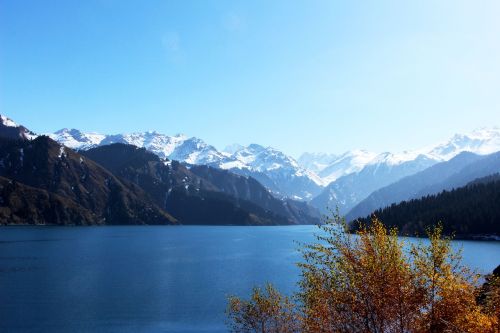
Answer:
[(297, 75)]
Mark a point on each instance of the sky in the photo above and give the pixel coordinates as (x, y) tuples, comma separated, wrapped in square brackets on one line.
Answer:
[(317, 76)]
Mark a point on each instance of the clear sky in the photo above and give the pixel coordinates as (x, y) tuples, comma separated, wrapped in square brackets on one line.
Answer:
[(297, 75)]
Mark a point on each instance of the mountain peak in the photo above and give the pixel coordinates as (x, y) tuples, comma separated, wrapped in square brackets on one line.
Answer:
[(233, 148), (482, 141), (9, 129), (485, 140), (256, 147), (180, 136), (275, 167), (62, 130), (6, 121)]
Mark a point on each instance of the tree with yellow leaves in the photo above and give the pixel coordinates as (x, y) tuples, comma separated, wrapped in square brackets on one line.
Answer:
[(370, 282), (267, 311), (489, 297)]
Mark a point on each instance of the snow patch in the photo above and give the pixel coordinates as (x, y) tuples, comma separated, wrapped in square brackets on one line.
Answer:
[(62, 152), (7, 121)]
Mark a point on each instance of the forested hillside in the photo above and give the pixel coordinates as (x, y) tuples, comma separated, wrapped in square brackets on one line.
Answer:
[(469, 211)]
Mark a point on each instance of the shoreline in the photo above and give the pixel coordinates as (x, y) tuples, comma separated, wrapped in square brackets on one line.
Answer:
[(461, 237)]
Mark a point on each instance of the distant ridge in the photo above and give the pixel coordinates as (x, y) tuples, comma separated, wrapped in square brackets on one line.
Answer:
[(387, 168), (278, 172), (456, 172), (350, 178), (312, 176)]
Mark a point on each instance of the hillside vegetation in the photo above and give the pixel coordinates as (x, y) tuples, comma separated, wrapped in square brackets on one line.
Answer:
[(466, 211)]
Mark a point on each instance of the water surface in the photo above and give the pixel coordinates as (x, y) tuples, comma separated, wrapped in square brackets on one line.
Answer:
[(149, 279)]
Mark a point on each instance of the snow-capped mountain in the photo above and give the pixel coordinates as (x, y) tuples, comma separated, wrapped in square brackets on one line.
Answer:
[(260, 158), (347, 163), (160, 144), (330, 167), (277, 171), (9, 128), (177, 147), (457, 172), (274, 169), (378, 170), (90, 186), (482, 141), (347, 191), (316, 162), (231, 149), (75, 139), (196, 151), (283, 175)]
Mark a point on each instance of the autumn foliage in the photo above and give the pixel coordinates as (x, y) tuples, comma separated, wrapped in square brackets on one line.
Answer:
[(267, 311), (372, 281)]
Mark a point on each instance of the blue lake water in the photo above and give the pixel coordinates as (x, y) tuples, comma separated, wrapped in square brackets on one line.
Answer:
[(149, 279)]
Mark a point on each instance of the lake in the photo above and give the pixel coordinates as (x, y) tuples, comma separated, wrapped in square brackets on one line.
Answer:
[(149, 278)]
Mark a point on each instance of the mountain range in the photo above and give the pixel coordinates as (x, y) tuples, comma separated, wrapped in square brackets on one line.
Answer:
[(324, 180), (200, 194), (45, 182), (454, 173), (384, 169), (277, 171), (262, 185)]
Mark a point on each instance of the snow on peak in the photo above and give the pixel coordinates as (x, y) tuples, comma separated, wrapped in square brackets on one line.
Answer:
[(75, 139), (196, 151), (346, 163), (7, 121), (316, 162), (260, 158), (233, 148), (480, 141), (396, 159), (318, 168), (12, 129)]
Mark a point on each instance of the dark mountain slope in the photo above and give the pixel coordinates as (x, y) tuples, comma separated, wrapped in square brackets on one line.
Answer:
[(22, 204), (467, 211), (485, 180), (9, 129), (200, 195), (45, 165), (247, 188), (486, 165)]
